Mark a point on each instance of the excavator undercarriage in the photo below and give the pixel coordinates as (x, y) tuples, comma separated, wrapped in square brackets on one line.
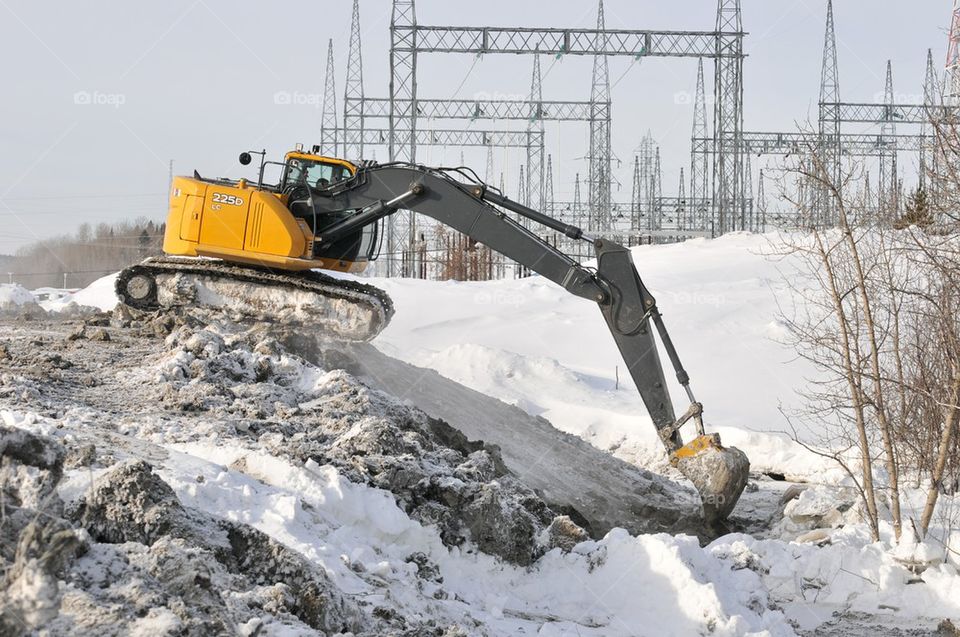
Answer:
[(227, 260)]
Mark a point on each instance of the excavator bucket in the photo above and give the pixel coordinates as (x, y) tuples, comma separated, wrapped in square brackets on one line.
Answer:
[(719, 473)]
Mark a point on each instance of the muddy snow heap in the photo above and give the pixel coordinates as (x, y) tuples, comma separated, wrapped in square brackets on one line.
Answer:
[(128, 555)]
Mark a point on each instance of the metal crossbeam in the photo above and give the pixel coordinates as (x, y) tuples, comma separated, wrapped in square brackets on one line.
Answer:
[(633, 43), (472, 138), (851, 144), (865, 113), (379, 108)]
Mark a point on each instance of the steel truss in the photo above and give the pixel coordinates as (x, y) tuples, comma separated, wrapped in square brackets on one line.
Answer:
[(404, 107)]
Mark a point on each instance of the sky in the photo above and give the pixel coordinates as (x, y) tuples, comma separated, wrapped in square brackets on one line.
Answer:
[(101, 96)]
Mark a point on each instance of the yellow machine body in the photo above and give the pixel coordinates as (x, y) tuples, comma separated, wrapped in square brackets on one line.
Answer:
[(238, 222)]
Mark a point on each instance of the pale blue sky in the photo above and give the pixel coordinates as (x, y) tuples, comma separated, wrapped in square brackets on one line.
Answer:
[(194, 81)]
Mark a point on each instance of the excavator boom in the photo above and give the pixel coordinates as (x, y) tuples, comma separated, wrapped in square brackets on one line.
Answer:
[(630, 311)]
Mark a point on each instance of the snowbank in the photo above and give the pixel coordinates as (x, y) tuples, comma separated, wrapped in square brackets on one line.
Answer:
[(14, 296), (532, 344), (98, 294)]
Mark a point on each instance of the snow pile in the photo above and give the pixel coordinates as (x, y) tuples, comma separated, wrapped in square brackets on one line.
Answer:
[(14, 298), (269, 547), (271, 497), (99, 295), (530, 343), (281, 404)]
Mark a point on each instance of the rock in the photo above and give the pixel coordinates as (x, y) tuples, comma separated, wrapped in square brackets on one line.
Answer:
[(4, 352), (564, 533), (719, 475), (99, 334), (78, 334), (793, 492), (129, 504), (79, 456), (819, 507), (35, 542), (820, 537)]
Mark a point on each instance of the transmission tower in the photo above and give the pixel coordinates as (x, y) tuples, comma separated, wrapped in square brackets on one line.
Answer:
[(577, 202), (683, 221), (353, 92), (488, 174), (929, 157), (328, 118), (403, 118), (535, 152), (635, 204), (522, 187), (829, 142), (728, 117), (656, 194), (645, 199), (888, 159), (953, 58), (600, 157), (549, 203), (699, 188), (762, 204)]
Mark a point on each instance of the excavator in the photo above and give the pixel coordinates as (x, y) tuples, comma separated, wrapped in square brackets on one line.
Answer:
[(282, 248)]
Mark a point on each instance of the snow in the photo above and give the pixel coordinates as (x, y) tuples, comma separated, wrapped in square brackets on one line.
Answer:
[(13, 295), (531, 344), (98, 294)]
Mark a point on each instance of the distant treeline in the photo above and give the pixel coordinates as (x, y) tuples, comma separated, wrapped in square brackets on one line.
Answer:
[(88, 254)]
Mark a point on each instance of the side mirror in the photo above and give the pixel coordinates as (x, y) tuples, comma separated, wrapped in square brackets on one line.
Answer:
[(245, 158)]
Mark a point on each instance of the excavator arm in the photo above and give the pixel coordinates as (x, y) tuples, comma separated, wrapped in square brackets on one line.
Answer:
[(626, 304)]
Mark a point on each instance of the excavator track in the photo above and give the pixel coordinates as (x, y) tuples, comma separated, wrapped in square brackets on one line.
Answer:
[(345, 309)]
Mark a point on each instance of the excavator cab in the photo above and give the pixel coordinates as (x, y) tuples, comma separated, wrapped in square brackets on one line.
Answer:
[(306, 174)]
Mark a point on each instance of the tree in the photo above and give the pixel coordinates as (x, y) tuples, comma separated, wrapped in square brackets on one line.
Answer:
[(918, 212)]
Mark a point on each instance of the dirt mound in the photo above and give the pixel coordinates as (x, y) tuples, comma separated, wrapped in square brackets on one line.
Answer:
[(291, 409), (132, 558)]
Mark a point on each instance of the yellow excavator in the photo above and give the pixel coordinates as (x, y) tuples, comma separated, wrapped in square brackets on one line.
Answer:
[(276, 249)]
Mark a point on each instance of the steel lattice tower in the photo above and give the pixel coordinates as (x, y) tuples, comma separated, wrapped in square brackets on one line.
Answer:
[(535, 132), (952, 88), (888, 159), (683, 221), (928, 153), (601, 155), (635, 205), (829, 142), (577, 202), (761, 204), (728, 117), (488, 174), (353, 92), (748, 191), (328, 118), (403, 119), (549, 203), (699, 188), (645, 192), (656, 194)]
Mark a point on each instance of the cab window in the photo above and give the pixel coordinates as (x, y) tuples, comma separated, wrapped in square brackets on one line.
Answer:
[(318, 175)]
